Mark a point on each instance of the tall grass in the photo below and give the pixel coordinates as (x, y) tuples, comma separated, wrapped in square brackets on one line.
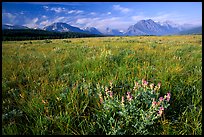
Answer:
[(52, 87)]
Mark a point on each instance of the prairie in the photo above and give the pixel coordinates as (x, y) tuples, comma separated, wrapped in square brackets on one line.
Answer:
[(50, 86)]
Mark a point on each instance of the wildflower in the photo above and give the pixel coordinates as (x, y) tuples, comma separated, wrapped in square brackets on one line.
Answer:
[(144, 82), (136, 86), (159, 85), (151, 86), (154, 103), (129, 97), (161, 99), (168, 96), (111, 94), (161, 109), (101, 100)]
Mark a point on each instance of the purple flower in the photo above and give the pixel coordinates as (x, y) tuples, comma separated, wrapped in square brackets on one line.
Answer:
[(154, 103), (159, 85), (161, 109), (101, 99), (129, 97), (161, 99), (144, 82), (111, 94), (168, 96)]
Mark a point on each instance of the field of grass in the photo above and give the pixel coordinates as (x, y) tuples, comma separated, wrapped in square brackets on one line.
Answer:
[(50, 86)]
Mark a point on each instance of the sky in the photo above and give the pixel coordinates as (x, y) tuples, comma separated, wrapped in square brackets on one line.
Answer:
[(115, 15)]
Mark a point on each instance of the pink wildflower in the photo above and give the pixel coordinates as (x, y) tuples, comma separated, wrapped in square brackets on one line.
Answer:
[(129, 97), (154, 103), (168, 96), (144, 82), (101, 99), (161, 109), (111, 94), (161, 99), (159, 85)]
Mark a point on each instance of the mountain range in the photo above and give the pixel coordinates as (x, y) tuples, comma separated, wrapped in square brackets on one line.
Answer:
[(7, 26), (142, 27)]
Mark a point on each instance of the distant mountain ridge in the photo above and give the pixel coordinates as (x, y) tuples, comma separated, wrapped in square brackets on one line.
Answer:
[(92, 30), (6, 26), (149, 27), (195, 30), (109, 31), (142, 27), (62, 27)]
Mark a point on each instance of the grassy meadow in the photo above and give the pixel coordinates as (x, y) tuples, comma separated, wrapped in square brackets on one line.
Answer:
[(51, 86)]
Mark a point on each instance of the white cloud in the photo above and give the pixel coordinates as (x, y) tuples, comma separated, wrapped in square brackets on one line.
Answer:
[(44, 23), (51, 21), (103, 23), (75, 11), (44, 17), (62, 10), (46, 7), (122, 9), (108, 13), (138, 17), (93, 13), (32, 23), (58, 19), (161, 17), (58, 10), (86, 20)]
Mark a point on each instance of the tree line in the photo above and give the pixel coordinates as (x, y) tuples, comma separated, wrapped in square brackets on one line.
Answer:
[(31, 34)]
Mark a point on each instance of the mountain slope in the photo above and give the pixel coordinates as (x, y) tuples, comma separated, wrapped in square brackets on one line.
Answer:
[(6, 26), (62, 27), (92, 30), (149, 27), (196, 30), (115, 32)]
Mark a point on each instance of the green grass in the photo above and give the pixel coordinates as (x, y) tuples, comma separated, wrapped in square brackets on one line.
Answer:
[(51, 88)]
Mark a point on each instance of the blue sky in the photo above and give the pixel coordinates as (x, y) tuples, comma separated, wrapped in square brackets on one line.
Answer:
[(116, 15)]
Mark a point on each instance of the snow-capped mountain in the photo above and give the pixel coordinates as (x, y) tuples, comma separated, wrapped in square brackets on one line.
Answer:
[(62, 27), (170, 24), (92, 30), (149, 27), (7, 26), (109, 31)]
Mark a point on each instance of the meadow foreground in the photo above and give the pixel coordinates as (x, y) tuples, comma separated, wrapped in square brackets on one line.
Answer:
[(57, 86)]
